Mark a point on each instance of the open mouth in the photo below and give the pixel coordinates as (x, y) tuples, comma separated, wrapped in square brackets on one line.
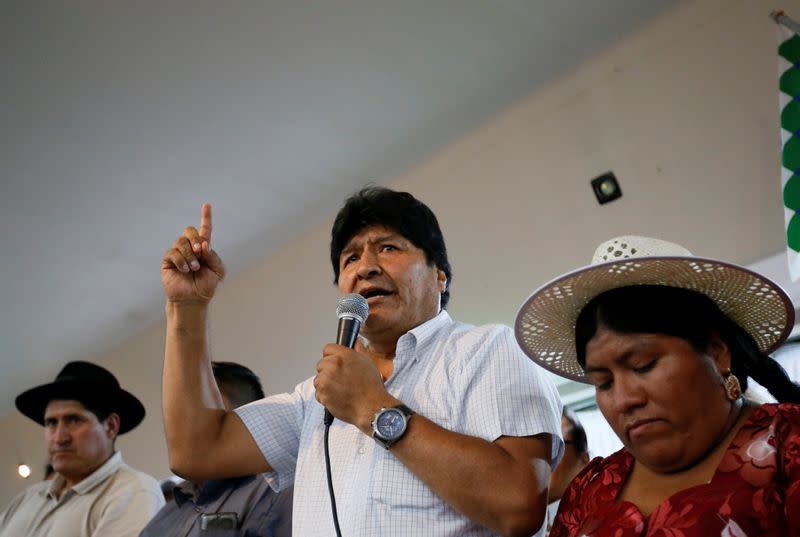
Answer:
[(372, 293)]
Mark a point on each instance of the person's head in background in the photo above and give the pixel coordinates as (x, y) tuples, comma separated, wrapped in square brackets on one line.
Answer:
[(83, 411), (576, 455), (237, 384), (80, 437)]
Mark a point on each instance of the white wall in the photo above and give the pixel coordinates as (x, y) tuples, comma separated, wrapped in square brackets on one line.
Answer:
[(685, 113)]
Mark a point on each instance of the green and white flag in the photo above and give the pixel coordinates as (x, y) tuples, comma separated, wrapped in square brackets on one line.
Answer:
[(789, 100)]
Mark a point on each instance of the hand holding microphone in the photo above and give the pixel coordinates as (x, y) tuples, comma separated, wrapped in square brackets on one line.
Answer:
[(336, 368), (332, 372)]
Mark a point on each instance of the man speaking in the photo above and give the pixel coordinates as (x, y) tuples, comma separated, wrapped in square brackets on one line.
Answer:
[(441, 428)]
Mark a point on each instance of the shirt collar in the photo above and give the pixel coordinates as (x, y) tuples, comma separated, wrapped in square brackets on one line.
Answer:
[(208, 491), (56, 484), (420, 335), (89, 482), (184, 491)]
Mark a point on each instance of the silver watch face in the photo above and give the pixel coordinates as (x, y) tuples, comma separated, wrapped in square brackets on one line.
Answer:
[(390, 423)]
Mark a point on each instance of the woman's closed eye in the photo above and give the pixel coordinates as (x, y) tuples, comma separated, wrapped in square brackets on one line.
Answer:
[(602, 383), (645, 368)]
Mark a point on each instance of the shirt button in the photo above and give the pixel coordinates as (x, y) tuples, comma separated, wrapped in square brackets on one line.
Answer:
[(362, 450)]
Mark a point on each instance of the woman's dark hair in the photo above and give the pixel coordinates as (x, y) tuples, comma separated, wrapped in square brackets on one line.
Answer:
[(689, 315), (399, 211)]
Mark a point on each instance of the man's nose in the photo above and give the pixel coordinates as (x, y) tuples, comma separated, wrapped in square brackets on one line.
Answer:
[(61, 434), (368, 265)]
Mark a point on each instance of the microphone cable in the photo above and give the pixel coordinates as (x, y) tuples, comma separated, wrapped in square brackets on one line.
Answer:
[(328, 421), (352, 310)]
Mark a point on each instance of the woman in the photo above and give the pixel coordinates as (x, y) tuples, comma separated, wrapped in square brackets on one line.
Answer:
[(669, 341)]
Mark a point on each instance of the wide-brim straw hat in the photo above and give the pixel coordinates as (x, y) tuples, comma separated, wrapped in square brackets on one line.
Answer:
[(87, 383), (545, 324)]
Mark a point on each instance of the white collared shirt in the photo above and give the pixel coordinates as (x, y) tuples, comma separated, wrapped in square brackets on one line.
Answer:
[(471, 380)]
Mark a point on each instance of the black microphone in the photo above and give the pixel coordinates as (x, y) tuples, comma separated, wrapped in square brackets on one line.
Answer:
[(352, 310)]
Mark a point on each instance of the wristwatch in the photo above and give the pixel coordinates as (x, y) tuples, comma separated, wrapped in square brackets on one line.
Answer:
[(390, 424)]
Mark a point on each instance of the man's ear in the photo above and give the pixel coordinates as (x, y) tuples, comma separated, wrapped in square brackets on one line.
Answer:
[(111, 425), (719, 352), (441, 280)]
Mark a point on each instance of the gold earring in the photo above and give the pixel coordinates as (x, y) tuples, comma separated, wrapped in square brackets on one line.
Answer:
[(732, 387)]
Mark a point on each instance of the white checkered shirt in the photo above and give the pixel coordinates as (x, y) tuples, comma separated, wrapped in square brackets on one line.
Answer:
[(471, 380)]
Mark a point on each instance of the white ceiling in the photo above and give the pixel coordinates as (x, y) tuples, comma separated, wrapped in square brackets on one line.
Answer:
[(120, 118)]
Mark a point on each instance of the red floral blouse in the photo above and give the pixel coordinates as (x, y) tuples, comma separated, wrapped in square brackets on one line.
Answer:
[(755, 491)]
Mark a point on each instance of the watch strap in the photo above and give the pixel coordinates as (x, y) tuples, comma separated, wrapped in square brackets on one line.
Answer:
[(404, 409)]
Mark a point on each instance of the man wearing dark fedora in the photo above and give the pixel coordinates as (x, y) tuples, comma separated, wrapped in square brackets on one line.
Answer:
[(94, 492)]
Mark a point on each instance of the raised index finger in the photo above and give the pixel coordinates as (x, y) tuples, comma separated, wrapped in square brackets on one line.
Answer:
[(205, 222)]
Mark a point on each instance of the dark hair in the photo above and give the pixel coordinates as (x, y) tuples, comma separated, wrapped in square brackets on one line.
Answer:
[(241, 385), (689, 315), (399, 211), (97, 406), (578, 432)]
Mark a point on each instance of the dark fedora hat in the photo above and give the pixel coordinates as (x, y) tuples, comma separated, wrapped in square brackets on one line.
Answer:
[(90, 384)]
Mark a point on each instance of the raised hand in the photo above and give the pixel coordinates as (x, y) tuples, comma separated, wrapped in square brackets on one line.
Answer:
[(191, 270)]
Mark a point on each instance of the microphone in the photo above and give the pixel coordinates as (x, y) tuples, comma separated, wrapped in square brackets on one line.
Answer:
[(352, 310)]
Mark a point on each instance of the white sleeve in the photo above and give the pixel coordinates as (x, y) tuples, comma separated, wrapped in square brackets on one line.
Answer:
[(276, 424), (503, 393)]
